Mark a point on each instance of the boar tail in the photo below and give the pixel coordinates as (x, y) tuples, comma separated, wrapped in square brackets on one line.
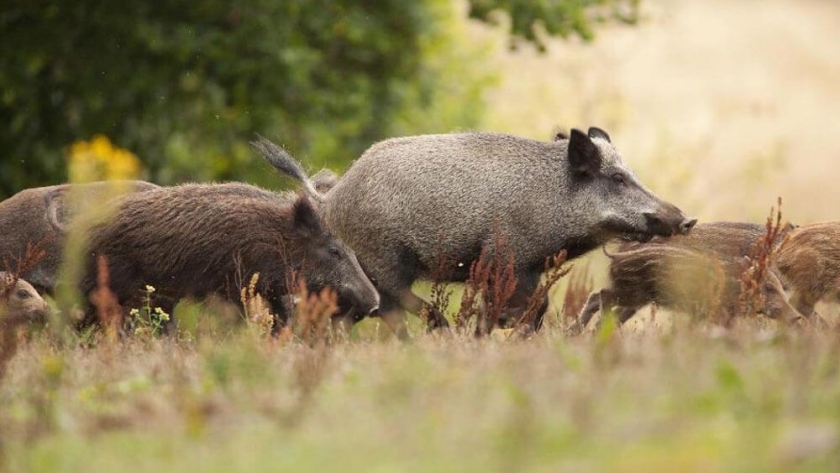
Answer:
[(286, 164)]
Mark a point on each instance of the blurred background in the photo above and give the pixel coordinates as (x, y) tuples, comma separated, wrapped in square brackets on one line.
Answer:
[(720, 106)]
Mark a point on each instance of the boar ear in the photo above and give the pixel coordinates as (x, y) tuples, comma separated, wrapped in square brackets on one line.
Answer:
[(595, 132), (584, 157), (305, 215)]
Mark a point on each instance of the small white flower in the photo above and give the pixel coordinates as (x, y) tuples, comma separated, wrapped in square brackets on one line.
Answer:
[(150, 289), (161, 314), (134, 312)]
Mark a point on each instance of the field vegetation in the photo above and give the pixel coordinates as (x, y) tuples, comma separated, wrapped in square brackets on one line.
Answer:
[(720, 106)]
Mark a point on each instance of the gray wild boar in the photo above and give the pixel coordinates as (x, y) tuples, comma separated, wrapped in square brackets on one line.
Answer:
[(408, 203), (324, 180), (20, 302), (196, 240), (677, 277), (809, 262), (37, 216)]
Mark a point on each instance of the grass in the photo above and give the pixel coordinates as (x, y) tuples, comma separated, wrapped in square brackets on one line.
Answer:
[(754, 398), (660, 396)]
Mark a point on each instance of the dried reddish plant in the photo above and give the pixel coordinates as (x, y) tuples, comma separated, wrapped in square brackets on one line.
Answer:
[(33, 254), (751, 296), (439, 293), (313, 313), (9, 326), (108, 309), (554, 271), (493, 277), (503, 284), (474, 286)]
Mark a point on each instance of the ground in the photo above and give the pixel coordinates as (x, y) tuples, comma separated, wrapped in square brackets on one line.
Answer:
[(688, 398)]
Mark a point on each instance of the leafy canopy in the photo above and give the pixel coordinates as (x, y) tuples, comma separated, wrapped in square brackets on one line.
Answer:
[(185, 84)]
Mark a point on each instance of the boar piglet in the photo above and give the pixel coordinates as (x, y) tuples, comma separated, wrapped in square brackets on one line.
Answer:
[(695, 282), (20, 302), (196, 240), (809, 263), (408, 203), (37, 217)]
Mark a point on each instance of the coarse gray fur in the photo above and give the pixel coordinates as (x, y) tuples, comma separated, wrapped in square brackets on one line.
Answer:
[(324, 180), (407, 203), (37, 217), (197, 240)]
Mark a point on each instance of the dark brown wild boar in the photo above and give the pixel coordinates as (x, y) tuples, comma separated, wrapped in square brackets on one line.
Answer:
[(809, 262), (19, 301), (37, 216), (197, 240), (725, 239), (684, 279)]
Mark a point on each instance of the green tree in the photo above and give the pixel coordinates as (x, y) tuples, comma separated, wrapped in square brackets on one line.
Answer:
[(556, 17), (186, 84)]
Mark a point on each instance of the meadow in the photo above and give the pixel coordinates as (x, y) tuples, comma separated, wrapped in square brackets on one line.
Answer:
[(754, 397), (720, 106)]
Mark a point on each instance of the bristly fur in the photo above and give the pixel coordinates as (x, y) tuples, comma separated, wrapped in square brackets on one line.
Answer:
[(37, 217), (396, 200), (202, 239), (809, 261), (710, 264)]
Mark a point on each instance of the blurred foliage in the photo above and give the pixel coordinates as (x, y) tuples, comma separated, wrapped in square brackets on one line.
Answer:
[(528, 18), (186, 84)]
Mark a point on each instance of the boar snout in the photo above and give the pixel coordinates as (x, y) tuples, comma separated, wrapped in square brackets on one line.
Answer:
[(686, 225), (668, 222), (363, 300)]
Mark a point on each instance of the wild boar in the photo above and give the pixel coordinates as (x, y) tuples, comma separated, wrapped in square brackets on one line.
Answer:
[(409, 203), (677, 277), (19, 301), (809, 262), (196, 240), (324, 180), (36, 217)]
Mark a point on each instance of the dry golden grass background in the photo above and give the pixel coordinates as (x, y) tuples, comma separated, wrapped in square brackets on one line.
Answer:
[(718, 105)]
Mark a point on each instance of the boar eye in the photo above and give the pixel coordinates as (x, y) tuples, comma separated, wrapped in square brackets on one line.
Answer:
[(334, 252), (619, 179), (23, 295)]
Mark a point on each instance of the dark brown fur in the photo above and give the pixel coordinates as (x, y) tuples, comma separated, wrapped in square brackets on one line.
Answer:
[(196, 240), (25, 219), (725, 239), (681, 278), (809, 262)]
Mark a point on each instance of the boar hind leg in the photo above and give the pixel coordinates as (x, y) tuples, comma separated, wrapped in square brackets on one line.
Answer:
[(393, 315), (526, 285), (608, 309), (593, 304)]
